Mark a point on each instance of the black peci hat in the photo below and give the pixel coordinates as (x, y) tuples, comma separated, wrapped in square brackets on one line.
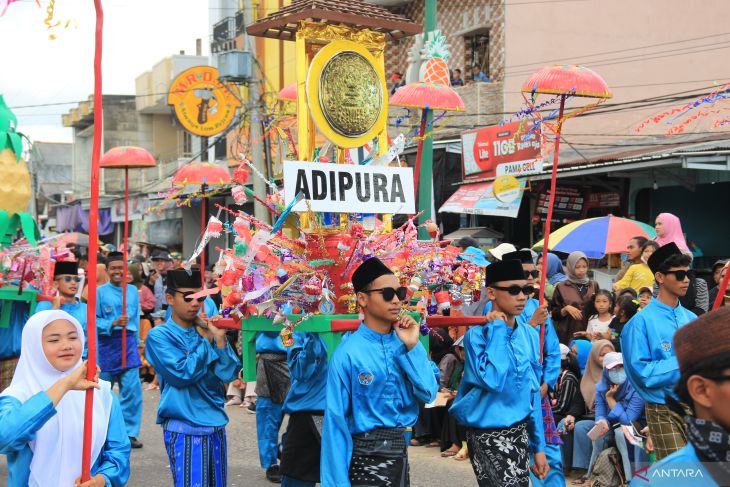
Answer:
[(524, 256), (506, 270), (66, 268), (660, 256), (368, 271), (181, 278)]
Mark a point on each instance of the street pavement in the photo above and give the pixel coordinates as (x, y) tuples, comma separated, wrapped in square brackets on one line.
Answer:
[(150, 467)]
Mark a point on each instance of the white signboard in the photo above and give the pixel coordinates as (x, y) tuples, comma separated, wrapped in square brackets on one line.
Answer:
[(349, 188), (520, 168)]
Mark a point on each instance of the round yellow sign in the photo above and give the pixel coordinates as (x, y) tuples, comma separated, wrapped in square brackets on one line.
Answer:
[(506, 188), (346, 94), (203, 105)]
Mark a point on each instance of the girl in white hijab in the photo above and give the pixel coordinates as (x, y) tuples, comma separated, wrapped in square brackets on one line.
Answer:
[(42, 412)]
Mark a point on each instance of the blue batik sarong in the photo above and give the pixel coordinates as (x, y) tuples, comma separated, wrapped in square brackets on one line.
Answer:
[(198, 454)]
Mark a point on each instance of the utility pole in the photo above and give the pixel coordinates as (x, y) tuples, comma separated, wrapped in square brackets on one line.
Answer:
[(425, 180), (255, 131)]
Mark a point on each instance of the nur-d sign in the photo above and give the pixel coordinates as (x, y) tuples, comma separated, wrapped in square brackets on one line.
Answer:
[(348, 188)]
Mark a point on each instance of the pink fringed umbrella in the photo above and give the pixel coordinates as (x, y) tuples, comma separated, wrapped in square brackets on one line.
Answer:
[(563, 80), (289, 92), (126, 158), (203, 174), (433, 93)]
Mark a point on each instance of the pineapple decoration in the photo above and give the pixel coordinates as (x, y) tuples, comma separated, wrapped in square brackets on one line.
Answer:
[(433, 92), (15, 192)]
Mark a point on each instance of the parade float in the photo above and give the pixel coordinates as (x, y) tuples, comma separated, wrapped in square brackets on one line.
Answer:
[(275, 281)]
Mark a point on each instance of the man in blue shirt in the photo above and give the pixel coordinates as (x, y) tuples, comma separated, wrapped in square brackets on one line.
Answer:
[(66, 280), (646, 342), (499, 396), (194, 361), (703, 355), (537, 316), (375, 381), (300, 455), (272, 386), (111, 318)]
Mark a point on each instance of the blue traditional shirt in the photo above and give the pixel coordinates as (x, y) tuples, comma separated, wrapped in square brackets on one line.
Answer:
[(646, 343), (374, 381), (501, 383), (19, 423), (77, 310), (10, 337), (108, 309), (308, 372), (551, 346), (192, 374), (269, 342)]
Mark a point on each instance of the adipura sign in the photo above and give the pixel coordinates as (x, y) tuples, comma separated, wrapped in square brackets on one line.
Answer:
[(349, 188), (203, 104)]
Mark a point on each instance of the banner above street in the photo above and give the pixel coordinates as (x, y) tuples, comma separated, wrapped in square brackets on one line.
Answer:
[(509, 149)]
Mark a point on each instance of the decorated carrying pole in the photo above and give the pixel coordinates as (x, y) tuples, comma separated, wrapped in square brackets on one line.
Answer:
[(93, 246), (126, 158), (563, 80)]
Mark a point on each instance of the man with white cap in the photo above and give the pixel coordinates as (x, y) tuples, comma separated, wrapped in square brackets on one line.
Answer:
[(504, 248)]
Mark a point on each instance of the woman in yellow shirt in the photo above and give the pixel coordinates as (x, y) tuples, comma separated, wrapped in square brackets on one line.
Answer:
[(639, 275)]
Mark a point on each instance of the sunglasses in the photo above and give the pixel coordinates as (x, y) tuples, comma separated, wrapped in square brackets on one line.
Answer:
[(514, 289), (389, 293), (534, 274), (681, 275), (70, 278), (189, 293)]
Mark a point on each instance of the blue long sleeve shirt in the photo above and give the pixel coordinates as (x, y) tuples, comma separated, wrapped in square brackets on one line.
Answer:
[(10, 337), (19, 423), (629, 404), (108, 309), (648, 348), (373, 382), (551, 346), (308, 372), (77, 310), (501, 383), (269, 342), (192, 374)]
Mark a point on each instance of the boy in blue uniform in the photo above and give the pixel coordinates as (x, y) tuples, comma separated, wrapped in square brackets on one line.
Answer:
[(537, 317), (66, 280), (194, 361), (646, 341), (304, 404), (110, 320), (375, 381), (703, 355), (272, 386), (499, 396)]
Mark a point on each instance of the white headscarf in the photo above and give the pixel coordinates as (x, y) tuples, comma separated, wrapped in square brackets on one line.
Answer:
[(58, 444)]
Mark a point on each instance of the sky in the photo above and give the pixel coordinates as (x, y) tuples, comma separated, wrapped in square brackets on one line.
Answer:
[(40, 71)]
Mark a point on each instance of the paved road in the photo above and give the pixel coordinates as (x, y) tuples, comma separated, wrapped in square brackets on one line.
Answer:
[(150, 467)]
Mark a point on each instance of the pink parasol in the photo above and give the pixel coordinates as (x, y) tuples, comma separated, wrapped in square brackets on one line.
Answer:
[(126, 157), (203, 174), (288, 93), (561, 80), (433, 93)]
